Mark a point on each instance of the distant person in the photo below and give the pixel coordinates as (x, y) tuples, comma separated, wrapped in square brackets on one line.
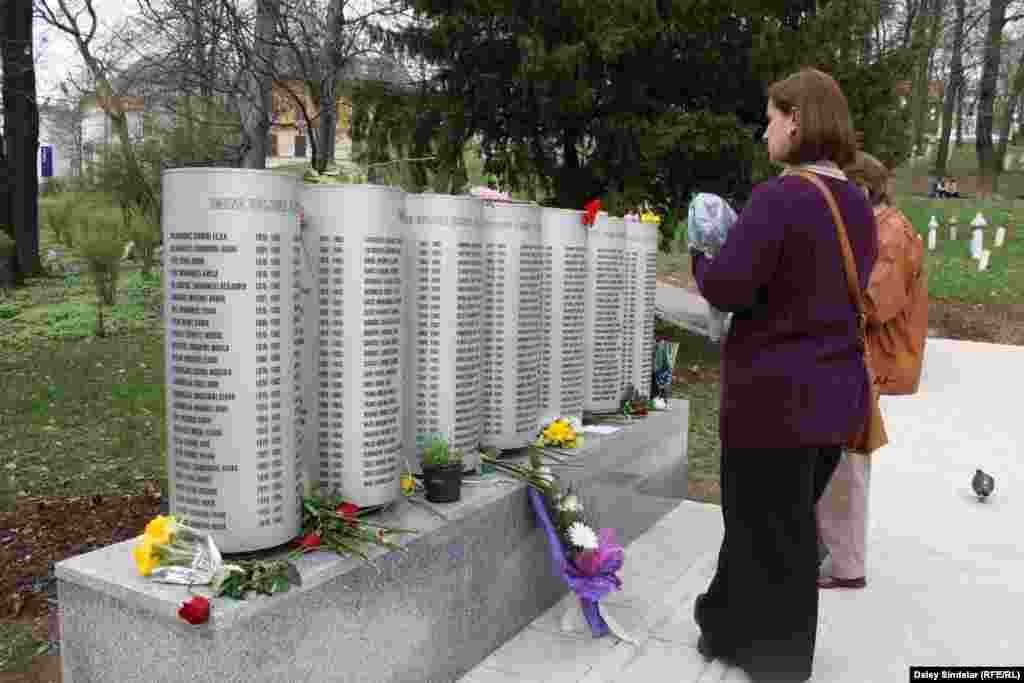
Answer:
[(952, 190), (939, 190), (794, 382), (896, 304)]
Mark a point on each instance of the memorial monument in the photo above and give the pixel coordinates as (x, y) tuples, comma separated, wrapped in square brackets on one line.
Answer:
[(361, 235), (230, 241), (445, 294), (563, 294), (510, 232), (603, 312)]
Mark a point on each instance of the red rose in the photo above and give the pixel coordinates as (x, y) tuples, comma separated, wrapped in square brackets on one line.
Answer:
[(347, 510), (195, 611), (591, 207), (310, 541)]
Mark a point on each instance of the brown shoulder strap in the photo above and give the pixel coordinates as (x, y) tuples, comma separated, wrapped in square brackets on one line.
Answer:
[(852, 283)]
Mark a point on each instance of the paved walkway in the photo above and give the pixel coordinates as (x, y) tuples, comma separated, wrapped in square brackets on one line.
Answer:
[(682, 307), (944, 575)]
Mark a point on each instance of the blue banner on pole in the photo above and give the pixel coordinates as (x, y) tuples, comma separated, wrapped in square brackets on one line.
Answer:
[(46, 153)]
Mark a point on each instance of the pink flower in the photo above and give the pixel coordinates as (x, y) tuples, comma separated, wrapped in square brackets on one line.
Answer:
[(488, 193)]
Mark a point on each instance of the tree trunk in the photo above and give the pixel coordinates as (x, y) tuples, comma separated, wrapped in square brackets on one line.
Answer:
[(1014, 92), (912, 7), (987, 163), (919, 78), (568, 192), (930, 18), (956, 76), (330, 66), (258, 103), (1012, 102), (960, 97), (21, 135)]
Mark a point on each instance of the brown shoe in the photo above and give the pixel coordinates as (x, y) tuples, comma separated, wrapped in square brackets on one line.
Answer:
[(826, 582)]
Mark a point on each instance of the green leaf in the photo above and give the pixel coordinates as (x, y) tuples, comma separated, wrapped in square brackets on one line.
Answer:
[(233, 586)]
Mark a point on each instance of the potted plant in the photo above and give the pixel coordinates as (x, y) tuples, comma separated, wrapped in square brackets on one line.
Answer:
[(442, 471)]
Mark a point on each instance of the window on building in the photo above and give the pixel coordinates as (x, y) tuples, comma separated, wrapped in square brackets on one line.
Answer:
[(300, 146)]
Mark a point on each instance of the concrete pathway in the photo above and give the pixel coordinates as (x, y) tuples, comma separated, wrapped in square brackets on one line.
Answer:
[(683, 307), (944, 574)]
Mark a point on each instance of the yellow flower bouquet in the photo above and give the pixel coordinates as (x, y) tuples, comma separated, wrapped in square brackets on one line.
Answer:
[(171, 552), (650, 217), (563, 432)]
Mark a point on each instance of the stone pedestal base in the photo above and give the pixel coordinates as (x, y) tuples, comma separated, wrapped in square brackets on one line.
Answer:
[(477, 572)]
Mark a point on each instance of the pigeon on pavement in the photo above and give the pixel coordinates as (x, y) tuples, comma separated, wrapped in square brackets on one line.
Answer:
[(983, 484)]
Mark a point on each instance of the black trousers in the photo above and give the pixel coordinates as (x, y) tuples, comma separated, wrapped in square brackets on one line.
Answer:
[(761, 609)]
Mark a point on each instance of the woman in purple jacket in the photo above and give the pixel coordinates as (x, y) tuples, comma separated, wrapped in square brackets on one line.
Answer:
[(794, 383)]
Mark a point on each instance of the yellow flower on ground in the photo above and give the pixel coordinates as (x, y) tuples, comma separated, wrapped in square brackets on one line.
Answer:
[(146, 556), (408, 484), (650, 217), (160, 530)]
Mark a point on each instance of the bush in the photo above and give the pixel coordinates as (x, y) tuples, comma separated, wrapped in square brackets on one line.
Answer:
[(57, 214), (101, 237), (139, 285), (7, 245), (8, 311), (145, 235), (55, 186)]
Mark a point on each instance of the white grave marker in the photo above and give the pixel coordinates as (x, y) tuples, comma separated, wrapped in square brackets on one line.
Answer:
[(977, 236), (1000, 236), (932, 227), (983, 260)]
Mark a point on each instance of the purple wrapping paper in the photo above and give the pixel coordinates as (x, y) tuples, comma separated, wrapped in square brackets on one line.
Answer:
[(593, 575)]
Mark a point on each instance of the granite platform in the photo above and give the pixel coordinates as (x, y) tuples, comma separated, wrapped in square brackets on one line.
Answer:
[(476, 573)]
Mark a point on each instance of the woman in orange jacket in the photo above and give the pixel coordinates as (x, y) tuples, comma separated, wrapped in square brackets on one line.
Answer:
[(896, 304)]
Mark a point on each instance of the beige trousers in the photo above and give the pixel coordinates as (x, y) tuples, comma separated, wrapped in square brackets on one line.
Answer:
[(843, 516)]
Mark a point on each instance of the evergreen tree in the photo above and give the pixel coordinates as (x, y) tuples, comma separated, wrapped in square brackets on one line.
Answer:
[(647, 100)]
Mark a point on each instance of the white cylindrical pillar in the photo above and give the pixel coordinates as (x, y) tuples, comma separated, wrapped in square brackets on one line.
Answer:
[(445, 293), (512, 316), (230, 240), (360, 237), (563, 291), (630, 305), (647, 289), (603, 315)]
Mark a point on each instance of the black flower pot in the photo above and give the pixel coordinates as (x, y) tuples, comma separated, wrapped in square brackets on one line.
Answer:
[(443, 483)]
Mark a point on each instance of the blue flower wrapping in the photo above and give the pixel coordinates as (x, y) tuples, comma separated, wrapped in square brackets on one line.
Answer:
[(708, 222), (590, 588)]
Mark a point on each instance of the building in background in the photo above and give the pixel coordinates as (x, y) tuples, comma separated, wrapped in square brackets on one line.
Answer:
[(152, 104)]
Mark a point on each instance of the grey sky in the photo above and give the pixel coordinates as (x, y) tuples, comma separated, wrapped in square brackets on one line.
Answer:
[(56, 54)]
